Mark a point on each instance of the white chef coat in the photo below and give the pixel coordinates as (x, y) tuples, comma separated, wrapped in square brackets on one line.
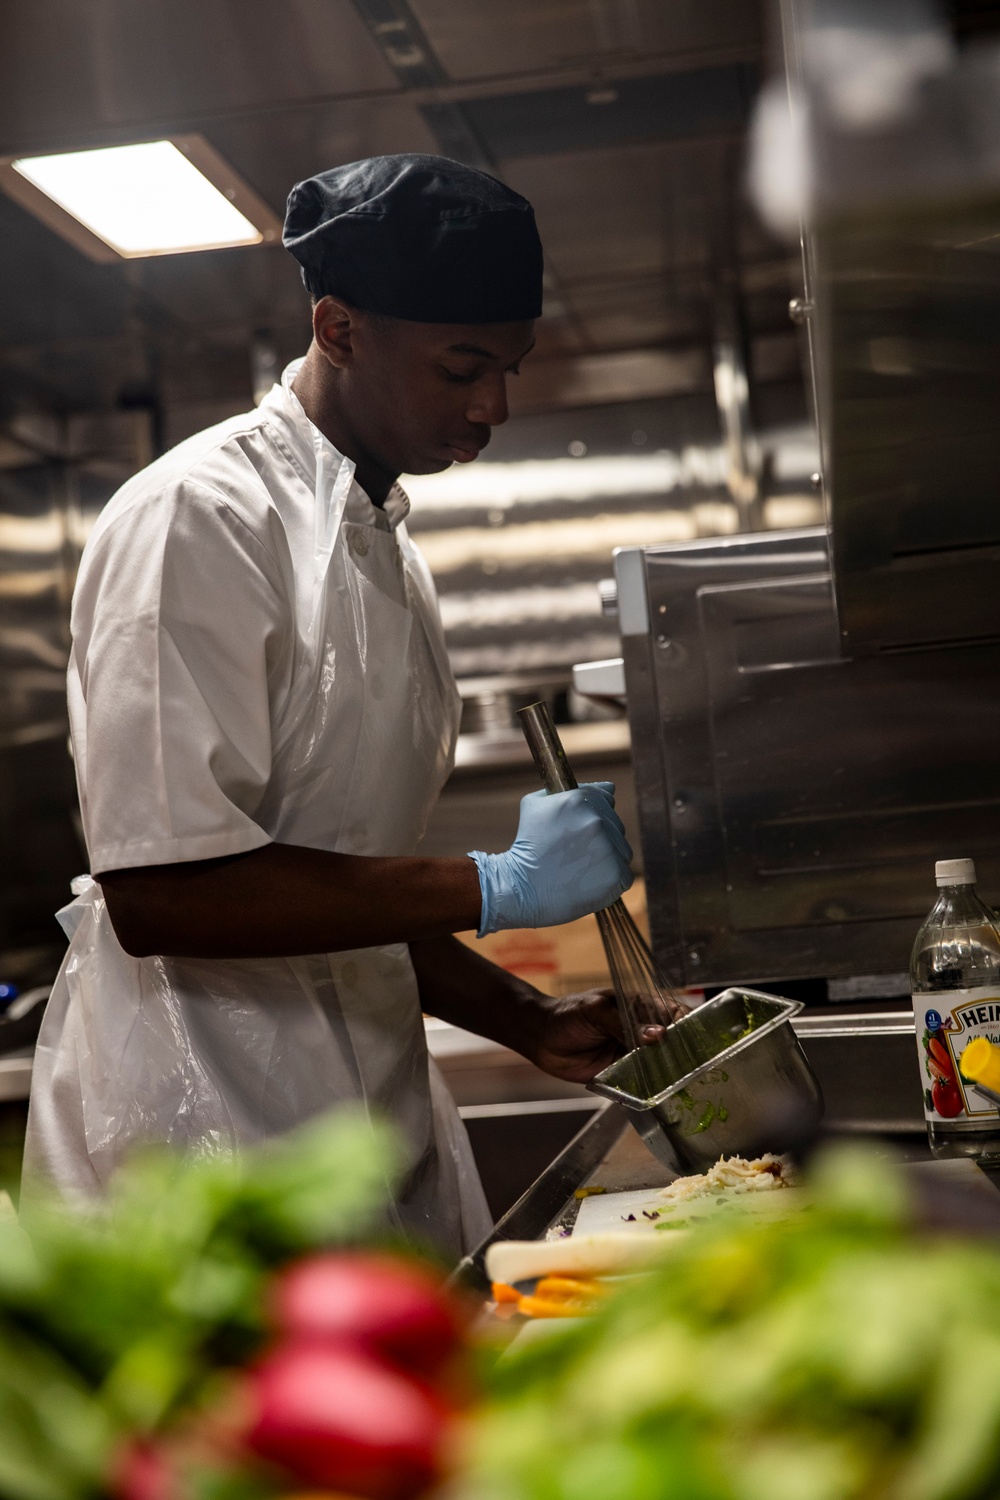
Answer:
[(257, 655)]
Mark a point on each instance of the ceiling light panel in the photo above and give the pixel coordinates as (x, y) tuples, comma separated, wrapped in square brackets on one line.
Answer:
[(162, 197)]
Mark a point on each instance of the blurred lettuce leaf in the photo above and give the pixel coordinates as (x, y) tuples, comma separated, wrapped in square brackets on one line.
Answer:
[(55, 1436), (837, 1354), (113, 1315)]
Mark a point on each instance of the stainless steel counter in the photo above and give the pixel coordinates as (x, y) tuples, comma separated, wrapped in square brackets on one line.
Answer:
[(866, 1062), (609, 1153), (867, 1066), (519, 1118), (548, 1199)]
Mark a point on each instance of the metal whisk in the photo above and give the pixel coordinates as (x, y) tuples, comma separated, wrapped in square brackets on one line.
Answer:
[(644, 996)]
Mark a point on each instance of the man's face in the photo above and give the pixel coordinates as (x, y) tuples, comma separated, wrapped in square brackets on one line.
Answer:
[(422, 396)]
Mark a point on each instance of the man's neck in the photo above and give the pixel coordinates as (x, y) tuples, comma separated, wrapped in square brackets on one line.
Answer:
[(318, 397)]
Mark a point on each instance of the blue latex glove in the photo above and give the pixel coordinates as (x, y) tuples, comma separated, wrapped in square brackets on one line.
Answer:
[(570, 857)]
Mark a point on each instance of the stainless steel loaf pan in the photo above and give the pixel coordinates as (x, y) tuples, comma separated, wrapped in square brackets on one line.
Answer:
[(728, 1079)]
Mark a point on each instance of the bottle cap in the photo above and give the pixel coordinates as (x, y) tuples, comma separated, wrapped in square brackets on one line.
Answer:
[(955, 872)]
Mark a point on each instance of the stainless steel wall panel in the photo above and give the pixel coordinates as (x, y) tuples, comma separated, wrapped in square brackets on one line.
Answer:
[(35, 586), (39, 841), (46, 511)]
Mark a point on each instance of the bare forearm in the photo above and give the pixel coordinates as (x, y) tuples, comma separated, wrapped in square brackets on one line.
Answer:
[(463, 987), (284, 900), (572, 1037)]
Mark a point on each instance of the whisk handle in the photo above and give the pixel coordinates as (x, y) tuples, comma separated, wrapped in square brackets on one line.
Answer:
[(644, 997), (546, 748)]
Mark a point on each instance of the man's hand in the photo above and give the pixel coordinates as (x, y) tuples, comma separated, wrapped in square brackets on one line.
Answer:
[(577, 1035), (570, 857), (572, 1037)]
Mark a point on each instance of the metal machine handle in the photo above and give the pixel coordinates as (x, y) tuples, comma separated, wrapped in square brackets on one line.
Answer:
[(546, 748)]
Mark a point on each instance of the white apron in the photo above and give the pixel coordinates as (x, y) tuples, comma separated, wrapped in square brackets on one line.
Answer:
[(212, 1054)]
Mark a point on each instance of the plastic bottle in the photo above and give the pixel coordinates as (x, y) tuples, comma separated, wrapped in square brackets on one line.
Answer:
[(955, 982)]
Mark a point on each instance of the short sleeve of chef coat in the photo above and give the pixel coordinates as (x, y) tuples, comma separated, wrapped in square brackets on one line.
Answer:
[(180, 626)]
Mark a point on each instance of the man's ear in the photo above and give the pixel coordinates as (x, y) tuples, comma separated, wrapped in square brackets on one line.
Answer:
[(334, 326)]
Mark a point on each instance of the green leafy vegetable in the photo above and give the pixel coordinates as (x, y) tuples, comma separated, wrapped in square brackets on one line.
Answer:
[(834, 1355), (111, 1318)]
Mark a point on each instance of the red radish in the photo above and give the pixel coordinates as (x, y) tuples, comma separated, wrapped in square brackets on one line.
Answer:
[(142, 1471), (380, 1303), (338, 1419)]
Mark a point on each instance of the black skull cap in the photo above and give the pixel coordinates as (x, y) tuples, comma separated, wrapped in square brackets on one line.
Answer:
[(417, 237)]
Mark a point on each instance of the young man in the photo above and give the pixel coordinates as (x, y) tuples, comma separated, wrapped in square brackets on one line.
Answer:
[(263, 715)]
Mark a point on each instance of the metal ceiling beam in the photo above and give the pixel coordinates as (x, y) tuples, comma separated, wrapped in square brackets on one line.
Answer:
[(407, 49), (423, 95)]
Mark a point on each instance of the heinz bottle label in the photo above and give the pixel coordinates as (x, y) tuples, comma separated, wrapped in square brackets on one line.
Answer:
[(942, 1036)]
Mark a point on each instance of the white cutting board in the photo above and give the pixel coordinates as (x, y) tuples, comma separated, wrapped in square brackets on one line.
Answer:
[(601, 1213)]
